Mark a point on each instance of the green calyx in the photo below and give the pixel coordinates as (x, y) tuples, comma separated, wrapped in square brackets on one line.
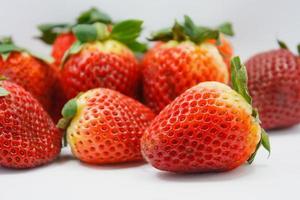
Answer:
[(188, 30), (93, 15), (283, 45), (239, 84), (7, 46), (51, 31), (126, 32), (68, 112)]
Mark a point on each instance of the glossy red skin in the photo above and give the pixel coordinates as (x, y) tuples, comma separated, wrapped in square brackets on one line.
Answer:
[(167, 73), (34, 75), (88, 70), (200, 131), (110, 128), (61, 44), (274, 84), (28, 137)]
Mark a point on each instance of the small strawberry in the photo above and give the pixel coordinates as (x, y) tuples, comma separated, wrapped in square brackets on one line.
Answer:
[(210, 127), (185, 56), (28, 71), (274, 83), (28, 137), (102, 58), (104, 126), (61, 36)]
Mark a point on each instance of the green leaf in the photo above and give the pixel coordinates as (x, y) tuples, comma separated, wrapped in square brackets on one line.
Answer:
[(239, 83), (93, 15), (127, 31), (298, 49), (6, 40), (137, 47), (6, 48), (164, 35), (239, 79), (226, 28), (265, 141), (85, 32), (282, 44), (51, 31), (69, 109), (75, 48), (206, 35), (3, 92), (178, 32), (252, 157), (190, 28)]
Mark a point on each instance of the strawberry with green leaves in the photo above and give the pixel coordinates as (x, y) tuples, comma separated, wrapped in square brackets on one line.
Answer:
[(103, 56), (28, 137), (60, 35), (28, 70), (208, 128), (184, 56), (104, 126)]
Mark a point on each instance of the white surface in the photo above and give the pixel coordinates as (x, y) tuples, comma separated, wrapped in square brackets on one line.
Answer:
[(257, 25)]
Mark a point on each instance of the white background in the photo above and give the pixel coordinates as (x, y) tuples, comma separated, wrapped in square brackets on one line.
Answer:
[(257, 23)]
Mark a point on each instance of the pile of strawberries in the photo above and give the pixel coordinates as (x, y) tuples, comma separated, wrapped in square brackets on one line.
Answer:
[(113, 99)]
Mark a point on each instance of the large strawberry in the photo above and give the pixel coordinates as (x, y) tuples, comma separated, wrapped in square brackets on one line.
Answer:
[(185, 56), (103, 58), (27, 70), (105, 126), (210, 127), (274, 83), (28, 137), (61, 36)]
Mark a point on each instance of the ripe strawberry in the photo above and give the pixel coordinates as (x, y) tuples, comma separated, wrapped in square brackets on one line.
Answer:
[(61, 44), (27, 70), (274, 84), (104, 126), (61, 36), (28, 137), (185, 56), (210, 127), (102, 58)]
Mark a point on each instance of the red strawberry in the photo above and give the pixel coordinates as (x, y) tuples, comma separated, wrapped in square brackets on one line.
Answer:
[(61, 44), (185, 56), (104, 126), (61, 36), (274, 83), (27, 70), (210, 127), (101, 58), (28, 137)]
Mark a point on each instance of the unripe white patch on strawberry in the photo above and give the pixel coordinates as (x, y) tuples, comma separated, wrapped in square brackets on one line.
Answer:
[(108, 46)]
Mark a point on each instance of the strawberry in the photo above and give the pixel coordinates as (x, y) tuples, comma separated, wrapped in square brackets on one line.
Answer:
[(103, 58), (28, 137), (185, 56), (61, 36), (274, 84), (105, 126), (61, 44), (210, 127), (27, 70)]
